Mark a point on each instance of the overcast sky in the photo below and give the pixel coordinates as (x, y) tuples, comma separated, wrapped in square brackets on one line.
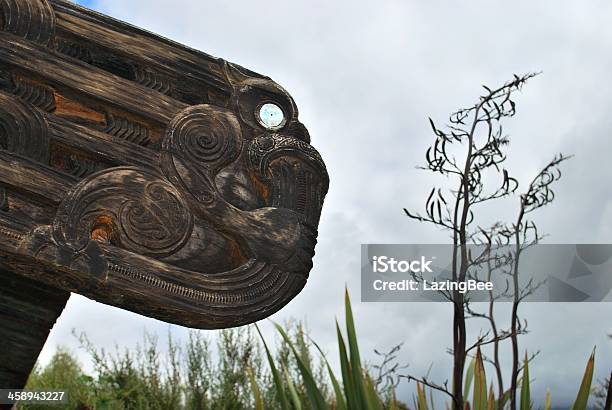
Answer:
[(366, 76)]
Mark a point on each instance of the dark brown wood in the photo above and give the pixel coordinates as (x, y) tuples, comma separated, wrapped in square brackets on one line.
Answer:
[(28, 310), (142, 174)]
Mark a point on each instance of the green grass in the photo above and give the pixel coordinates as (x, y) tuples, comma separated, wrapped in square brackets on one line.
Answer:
[(250, 373)]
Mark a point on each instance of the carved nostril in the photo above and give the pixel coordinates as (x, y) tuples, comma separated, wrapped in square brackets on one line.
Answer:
[(297, 130), (103, 229)]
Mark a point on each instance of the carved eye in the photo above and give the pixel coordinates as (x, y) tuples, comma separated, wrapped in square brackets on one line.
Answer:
[(271, 116)]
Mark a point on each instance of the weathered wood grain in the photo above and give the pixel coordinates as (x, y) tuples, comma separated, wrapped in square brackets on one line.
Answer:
[(112, 150), (142, 174), (151, 50), (90, 82), (30, 177)]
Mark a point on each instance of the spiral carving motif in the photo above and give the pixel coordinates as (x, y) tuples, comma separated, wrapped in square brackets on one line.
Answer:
[(149, 216), (150, 222), (199, 142), (23, 130), (33, 20)]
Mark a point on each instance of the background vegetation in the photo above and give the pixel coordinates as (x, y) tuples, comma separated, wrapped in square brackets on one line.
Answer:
[(248, 374)]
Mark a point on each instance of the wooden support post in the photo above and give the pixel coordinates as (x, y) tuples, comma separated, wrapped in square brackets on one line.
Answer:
[(28, 311)]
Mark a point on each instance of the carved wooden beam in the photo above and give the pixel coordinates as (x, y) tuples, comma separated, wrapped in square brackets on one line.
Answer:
[(146, 175)]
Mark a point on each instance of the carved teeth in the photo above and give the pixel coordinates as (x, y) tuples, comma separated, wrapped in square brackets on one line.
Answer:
[(10, 234), (272, 278)]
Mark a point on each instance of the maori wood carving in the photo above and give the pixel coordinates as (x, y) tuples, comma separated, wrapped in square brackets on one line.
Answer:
[(147, 175)]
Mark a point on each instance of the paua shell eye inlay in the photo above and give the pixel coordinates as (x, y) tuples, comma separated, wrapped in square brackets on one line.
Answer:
[(271, 116)]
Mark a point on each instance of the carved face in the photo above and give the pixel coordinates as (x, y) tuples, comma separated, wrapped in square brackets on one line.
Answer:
[(198, 209)]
